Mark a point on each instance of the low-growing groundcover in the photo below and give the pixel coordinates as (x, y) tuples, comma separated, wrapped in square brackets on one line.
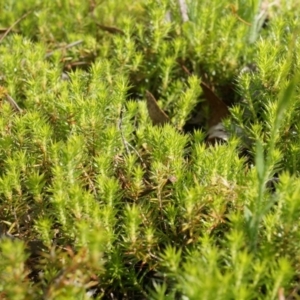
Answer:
[(99, 199)]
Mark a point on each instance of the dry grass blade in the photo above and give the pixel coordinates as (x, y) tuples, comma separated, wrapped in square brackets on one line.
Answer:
[(156, 114), (3, 31), (64, 48), (13, 25), (5, 96), (235, 13), (13, 103), (110, 29)]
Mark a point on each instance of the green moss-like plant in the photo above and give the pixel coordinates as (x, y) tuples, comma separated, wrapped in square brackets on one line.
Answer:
[(97, 201)]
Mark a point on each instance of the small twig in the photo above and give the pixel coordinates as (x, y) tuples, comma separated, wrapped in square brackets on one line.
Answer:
[(2, 31), (160, 202), (73, 44), (16, 221), (14, 24), (185, 69), (234, 12), (110, 29), (64, 47), (13, 103), (293, 293), (121, 131), (137, 154), (183, 10), (5, 234)]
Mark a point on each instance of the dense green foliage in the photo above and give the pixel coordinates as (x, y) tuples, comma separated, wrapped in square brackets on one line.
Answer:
[(96, 201)]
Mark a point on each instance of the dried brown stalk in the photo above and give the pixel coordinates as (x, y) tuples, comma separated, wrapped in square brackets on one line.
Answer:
[(64, 47), (13, 25)]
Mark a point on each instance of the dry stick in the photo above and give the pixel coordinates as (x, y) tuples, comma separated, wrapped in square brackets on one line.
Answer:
[(234, 12), (64, 48), (183, 10), (293, 293), (110, 29), (13, 103), (3, 30), (121, 131), (14, 24)]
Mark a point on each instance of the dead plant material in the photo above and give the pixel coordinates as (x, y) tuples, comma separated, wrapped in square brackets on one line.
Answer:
[(3, 31), (9, 29), (218, 109), (64, 48), (157, 115), (5, 96), (234, 11), (13, 104), (110, 29)]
